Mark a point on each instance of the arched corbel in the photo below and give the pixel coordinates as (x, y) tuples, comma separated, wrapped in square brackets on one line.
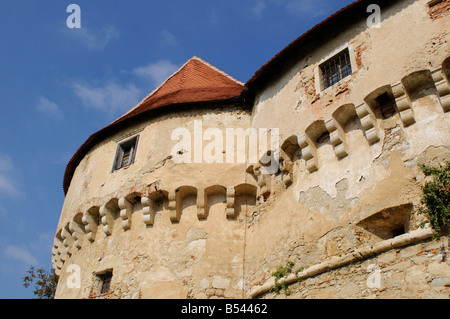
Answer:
[(368, 123), (126, 211), (442, 87), (404, 105), (77, 228), (91, 221)]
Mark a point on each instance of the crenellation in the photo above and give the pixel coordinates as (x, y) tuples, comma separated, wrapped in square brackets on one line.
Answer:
[(368, 123), (336, 138), (108, 213), (173, 206), (286, 168), (289, 153), (78, 231), (211, 195), (148, 210), (404, 104), (68, 240), (201, 203), (342, 201), (91, 221), (230, 209), (181, 193), (264, 180), (126, 211), (58, 256), (244, 196), (307, 146), (86, 225), (442, 87)]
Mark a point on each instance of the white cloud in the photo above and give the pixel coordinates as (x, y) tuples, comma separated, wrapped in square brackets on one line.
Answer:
[(111, 97), (94, 40), (156, 72), (20, 254), (168, 39), (8, 184), (115, 98), (5, 163), (49, 108), (258, 8)]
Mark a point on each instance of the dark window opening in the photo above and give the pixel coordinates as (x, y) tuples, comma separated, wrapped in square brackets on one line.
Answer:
[(105, 280), (335, 69), (389, 222), (125, 153), (399, 230), (386, 105)]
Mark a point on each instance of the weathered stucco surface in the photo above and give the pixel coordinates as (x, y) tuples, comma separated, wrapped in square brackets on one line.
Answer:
[(349, 178)]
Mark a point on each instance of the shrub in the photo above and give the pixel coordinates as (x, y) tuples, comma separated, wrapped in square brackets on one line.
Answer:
[(436, 197)]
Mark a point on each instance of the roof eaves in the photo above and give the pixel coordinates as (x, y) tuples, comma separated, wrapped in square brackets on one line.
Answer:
[(262, 72)]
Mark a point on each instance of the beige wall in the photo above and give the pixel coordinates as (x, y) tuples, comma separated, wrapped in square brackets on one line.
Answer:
[(352, 187), (193, 256), (320, 215)]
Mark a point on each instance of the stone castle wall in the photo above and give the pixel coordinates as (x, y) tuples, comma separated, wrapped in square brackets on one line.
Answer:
[(346, 195), (413, 271), (355, 174)]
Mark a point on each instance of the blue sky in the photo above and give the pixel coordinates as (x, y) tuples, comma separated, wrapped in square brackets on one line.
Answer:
[(60, 85)]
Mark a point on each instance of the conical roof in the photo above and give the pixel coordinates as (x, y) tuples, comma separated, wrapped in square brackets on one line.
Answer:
[(195, 82)]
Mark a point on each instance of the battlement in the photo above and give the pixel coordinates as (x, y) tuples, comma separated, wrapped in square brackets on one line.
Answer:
[(396, 102), (205, 217), (83, 229), (384, 102)]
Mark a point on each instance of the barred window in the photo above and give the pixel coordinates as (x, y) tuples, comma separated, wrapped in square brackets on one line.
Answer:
[(335, 69)]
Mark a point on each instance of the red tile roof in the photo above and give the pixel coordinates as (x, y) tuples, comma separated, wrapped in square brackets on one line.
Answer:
[(272, 68), (195, 82)]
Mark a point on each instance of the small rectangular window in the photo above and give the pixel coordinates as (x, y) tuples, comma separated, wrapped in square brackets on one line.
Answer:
[(101, 285), (106, 282), (125, 153), (335, 69)]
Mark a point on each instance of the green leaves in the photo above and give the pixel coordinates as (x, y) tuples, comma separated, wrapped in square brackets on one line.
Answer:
[(281, 272), (436, 197)]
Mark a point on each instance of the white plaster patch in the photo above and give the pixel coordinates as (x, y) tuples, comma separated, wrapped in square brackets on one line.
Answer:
[(220, 282)]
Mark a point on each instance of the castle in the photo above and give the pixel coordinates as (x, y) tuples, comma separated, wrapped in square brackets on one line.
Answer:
[(168, 201)]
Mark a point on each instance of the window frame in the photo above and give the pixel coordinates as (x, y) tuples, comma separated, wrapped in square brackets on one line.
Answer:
[(318, 74), (102, 283), (335, 69), (105, 280), (130, 144)]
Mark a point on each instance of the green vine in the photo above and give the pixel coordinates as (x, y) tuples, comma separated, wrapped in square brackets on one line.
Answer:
[(436, 197), (282, 272)]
